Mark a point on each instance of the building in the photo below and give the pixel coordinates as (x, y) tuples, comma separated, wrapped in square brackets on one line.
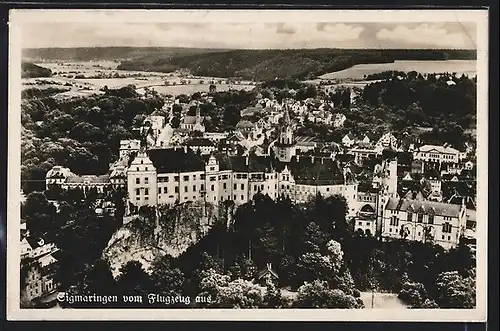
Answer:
[(37, 271), (128, 147), (387, 141), (167, 176), (425, 221), (204, 146), (348, 140), (284, 147), (216, 137), (193, 123), (437, 154)]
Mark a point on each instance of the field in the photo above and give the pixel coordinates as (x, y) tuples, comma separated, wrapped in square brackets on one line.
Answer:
[(359, 71), (193, 88)]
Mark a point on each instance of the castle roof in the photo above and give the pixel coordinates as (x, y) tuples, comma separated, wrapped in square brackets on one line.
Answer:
[(175, 160)]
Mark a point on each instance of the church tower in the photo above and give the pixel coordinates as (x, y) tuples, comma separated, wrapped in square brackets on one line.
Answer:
[(285, 144), (388, 189)]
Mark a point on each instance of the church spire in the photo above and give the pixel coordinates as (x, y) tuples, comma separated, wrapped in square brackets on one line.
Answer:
[(287, 116)]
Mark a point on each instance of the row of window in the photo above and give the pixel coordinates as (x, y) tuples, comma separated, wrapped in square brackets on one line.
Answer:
[(446, 227)]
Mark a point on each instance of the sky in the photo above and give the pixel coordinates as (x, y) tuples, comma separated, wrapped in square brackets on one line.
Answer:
[(252, 35)]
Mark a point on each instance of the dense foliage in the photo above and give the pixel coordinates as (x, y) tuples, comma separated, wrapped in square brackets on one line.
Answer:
[(31, 70), (82, 134), (269, 64)]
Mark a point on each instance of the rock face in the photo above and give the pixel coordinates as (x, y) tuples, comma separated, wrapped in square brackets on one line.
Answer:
[(171, 232)]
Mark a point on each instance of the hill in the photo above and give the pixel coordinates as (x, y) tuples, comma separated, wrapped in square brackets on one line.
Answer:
[(290, 63), (82, 54), (30, 70)]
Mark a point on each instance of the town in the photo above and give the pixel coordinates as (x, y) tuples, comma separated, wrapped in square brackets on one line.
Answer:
[(394, 187)]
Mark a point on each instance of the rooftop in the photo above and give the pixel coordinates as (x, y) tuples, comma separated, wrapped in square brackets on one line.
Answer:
[(436, 208)]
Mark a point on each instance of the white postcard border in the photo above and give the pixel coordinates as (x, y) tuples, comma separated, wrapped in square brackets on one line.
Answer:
[(20, 17)]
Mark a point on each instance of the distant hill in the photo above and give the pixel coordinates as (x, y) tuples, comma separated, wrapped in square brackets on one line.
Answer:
[(30, 70), (292, 63), (82, 54)]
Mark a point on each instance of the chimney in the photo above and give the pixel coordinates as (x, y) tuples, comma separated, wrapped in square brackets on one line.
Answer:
[(269, 266), (185, 149), (312, 159), (246, 160)]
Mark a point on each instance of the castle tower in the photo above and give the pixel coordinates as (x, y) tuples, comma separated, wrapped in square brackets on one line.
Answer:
[(285, 145), (141, 181), (388, 190), (198, 115)]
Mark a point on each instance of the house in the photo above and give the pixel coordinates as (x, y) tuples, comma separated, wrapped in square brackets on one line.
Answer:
[(128, 147), (245, 126), (204, 146), (348, 140), (425, 221), (216, 137), (193, 123), (305, 143), (38, 264), (338, 120), (387, 141), (267, 275), (437, 154)]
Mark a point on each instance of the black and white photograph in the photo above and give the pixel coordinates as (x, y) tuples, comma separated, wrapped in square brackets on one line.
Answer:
[(248, 164)]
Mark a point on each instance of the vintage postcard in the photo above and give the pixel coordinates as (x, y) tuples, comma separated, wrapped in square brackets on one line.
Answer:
[(290, 165)]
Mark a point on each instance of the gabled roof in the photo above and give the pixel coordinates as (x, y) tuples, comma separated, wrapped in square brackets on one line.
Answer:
[(438, 208)]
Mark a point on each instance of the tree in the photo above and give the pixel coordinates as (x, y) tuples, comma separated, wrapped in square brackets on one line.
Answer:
[(225, 293), (133, 280), (413, 294), (167, 279), (232, 116), (317, 294), (40, 215), (455, 291)]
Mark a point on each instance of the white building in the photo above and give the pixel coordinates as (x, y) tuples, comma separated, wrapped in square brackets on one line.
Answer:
[(193, 123), (439, 154), (129, 146), (425, 221), (178, 175)]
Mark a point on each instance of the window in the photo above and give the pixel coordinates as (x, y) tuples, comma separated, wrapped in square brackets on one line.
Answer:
[(146, 191), (177, 189), (194, 177), (146, 169), (235, 186), (242, 186), (165, 190), (194, 188), (137, 191), (146, 180), (446, 227), (176, 178), (409, 217), (202, 176), (394, 221), (212, 188), (202, 187), (449, 237), (430, 219), (213, 178), (185, 189), (146, 198), (137, 180), (234, 197), (360, 223), (242, 198), (420, 218), (185, 178), (255, 187)]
